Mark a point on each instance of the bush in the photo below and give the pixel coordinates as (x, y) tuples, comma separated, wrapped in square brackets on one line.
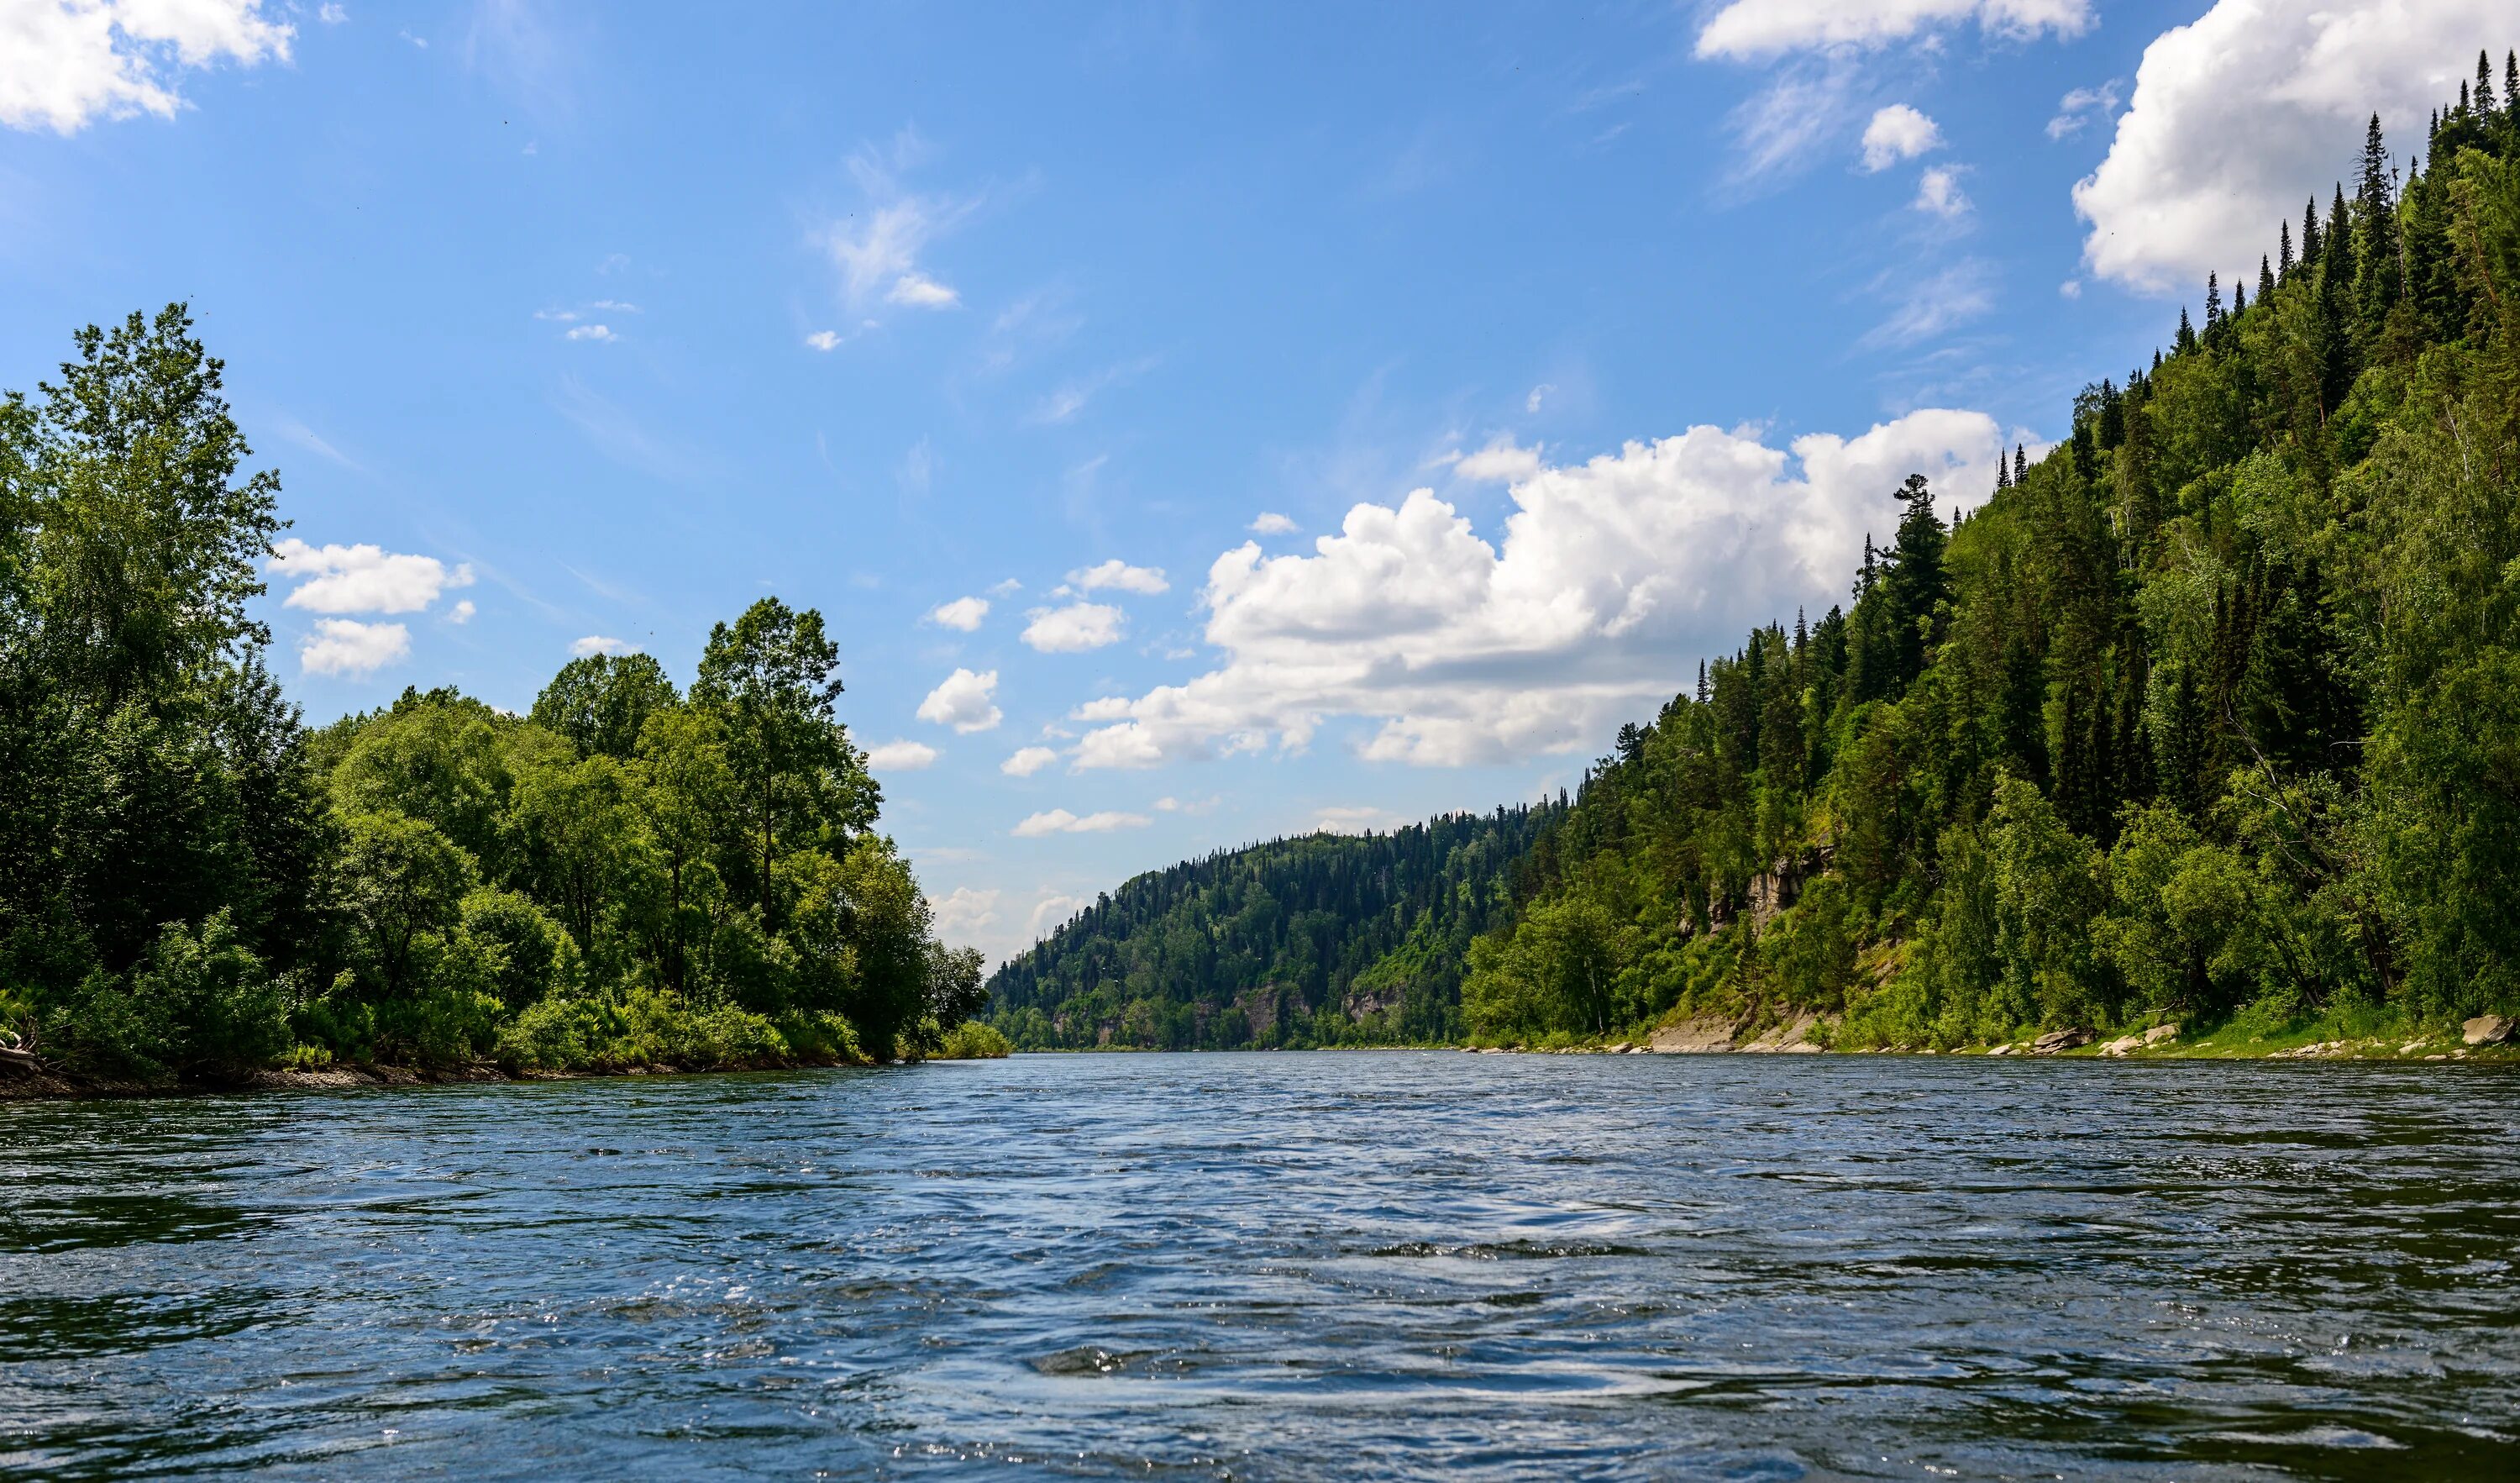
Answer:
[(973, 1040)]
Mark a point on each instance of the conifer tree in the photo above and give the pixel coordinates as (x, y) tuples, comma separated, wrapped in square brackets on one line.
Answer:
[(2266, 279), (2340, 239), (2283, 252), (2484, 83), (2375, 214), (2309, 233), (2020, 464), (2187, 338)]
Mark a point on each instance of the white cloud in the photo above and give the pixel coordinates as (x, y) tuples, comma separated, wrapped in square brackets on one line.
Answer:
[(1498, 463), (1029, 762), (920, 291), (1532, 402), (1206, 805), (962, 613), (617, 306), (1052, 910), (2249, 110), (966, 911), (361, 578), (900, 756), (597, 333), (346, 646), (332, 15), (2081, 105), (823, 339), (1939, 193), (2071, 287), (1059, 821), (1895, 133), (1273, 523), (1075, 628), (596, 644), (1120, 576), (964, 702), (1357, 819), (462, 612), (1929, 306), (66, 63), (1612, 578), (1756, 28)]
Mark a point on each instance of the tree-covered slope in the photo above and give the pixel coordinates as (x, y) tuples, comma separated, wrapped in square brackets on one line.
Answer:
[(1316, 940), (2213, 711)]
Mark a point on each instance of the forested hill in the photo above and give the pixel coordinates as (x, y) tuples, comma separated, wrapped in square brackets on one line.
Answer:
[(1312, 940), (2211, 712)]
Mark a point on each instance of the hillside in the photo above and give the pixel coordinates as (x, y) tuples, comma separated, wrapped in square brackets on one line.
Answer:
[(2212, 711), (1317, 940)]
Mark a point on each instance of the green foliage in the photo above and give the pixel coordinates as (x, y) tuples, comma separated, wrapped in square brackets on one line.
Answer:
[(625, 878), (1319, 940), (972, 1040)]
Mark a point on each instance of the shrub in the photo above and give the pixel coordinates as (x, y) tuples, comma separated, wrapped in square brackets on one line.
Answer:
[(973, 1040)]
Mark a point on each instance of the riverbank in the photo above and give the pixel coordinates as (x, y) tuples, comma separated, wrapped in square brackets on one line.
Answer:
[(46, 1083), (2483, 1038)]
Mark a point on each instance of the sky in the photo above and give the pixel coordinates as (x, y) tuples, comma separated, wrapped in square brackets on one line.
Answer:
[(1196, 423)]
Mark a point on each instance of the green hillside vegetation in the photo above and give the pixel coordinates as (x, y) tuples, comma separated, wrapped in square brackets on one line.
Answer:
[(193, 885), (2211, 712), (1326, 939)]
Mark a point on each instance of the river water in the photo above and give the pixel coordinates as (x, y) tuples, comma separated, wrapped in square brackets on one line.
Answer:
[(1281, 1266)]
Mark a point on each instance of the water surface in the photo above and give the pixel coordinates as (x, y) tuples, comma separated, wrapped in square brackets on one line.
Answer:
[(1281, 1266)]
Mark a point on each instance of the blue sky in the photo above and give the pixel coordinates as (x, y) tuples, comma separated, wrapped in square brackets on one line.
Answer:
[(598, 322)]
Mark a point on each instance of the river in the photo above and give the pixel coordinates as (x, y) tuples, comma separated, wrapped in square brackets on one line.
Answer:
[(1281, 1266)]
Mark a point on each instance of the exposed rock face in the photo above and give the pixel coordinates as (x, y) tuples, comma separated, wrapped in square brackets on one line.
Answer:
[(2489, 1029), (2056, 1040), (1792, 1036), (1692, 1037)]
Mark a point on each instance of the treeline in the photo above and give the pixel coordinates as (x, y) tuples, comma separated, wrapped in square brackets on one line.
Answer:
[(1325, 939), (195, 885), (2213, 711)]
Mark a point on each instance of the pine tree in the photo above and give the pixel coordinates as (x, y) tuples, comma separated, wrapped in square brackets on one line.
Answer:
[(2003, 472), (2283, 252), (2511, 86), (2020, 464), (2213, 302), (2376, 287), (2185, 342), (2267, 277), (2309, 233), (2340, 239), (2484, 83)]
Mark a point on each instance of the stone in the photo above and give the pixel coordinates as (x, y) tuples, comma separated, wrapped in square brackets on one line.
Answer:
[(2489, 1029), (2058, 1041), (2005, 1050), (2122, 1045), (2159, 1033)]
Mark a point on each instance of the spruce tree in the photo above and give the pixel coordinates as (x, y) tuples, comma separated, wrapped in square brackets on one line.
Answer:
[(2266, 279), (2310, 234), (2376, 286), (2186, 337), (2484, 83), (2020, 464)]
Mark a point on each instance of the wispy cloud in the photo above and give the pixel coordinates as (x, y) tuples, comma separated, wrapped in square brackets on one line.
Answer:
[(1059, 821)]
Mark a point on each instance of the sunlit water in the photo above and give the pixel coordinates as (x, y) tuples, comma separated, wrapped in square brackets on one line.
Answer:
[(1281, 1266)]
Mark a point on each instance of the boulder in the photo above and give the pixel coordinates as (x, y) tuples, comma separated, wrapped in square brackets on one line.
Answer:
[(2056, 1040), (2122, 1045), (2159, 1033), (2006, 1051), (2489, 1029)]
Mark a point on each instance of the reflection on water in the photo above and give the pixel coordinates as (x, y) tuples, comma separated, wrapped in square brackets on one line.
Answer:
[(1281, 1266)]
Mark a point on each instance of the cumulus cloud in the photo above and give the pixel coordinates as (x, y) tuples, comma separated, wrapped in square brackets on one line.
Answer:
[(1498, 463), (1938, 193), (1895, 133), (2252, 109), (1273, 523), (965, 701), (964, 911), (823, 339), (1059, 821), (1119, 577), (900, 756), (1613, 576), (595, 644), (962, 613), (1074, 628), (1029, 762), (462, 612), (346, 646), (597, 333), (361, 578), (1748, 30), (65, 64)]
